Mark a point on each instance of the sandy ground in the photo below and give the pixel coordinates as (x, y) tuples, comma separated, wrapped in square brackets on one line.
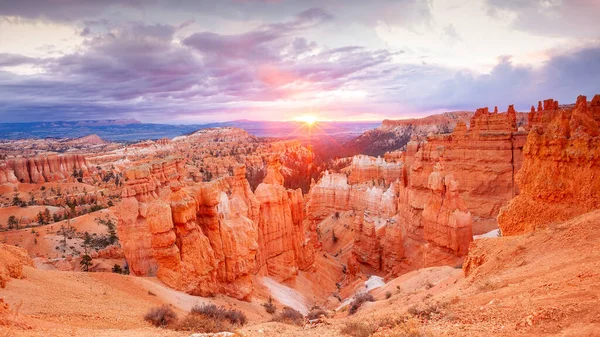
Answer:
[(43, 240)]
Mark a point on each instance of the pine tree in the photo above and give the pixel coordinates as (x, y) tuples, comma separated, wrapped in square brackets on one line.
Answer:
[(40, 218), (86, 262), (12, 222), (117, 269)]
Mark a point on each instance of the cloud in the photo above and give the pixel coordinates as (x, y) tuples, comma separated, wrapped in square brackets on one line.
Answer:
[(143, 68), (256, 59), (63, 10), (563, 77), (576, 18), (10, 60)]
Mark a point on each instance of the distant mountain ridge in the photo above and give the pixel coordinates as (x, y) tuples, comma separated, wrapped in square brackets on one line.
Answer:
[(134, 130)]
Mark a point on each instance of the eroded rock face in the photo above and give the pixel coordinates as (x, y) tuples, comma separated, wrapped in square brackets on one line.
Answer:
[(559, 177), (368, 169), (333, 193), (419, 213), (446, 221), (12, 261), (44, 169), (211, 237), (483, 160)]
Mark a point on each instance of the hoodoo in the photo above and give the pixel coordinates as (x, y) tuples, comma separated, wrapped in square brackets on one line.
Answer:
[(211, 237), (559, 177)]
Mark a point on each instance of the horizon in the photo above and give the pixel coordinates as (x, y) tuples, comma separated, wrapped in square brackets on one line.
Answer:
[(200, 63)]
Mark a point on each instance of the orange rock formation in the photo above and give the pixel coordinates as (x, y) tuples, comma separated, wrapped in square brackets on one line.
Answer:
[(483, 160), (12, 260), (211, 237), (559, 178), (43, 169)]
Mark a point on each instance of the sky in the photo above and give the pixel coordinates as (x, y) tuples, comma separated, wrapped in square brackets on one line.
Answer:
[(196, 61)]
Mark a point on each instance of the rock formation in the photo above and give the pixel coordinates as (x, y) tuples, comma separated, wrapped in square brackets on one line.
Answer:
[(394, 134), (211, 237), (12, 261), (333, 193), (559, 177), (44, 169), (446, 221), (483, 160), (414, 209), (368, 169)]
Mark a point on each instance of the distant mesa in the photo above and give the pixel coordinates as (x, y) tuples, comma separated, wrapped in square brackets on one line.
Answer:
[(86, 140)]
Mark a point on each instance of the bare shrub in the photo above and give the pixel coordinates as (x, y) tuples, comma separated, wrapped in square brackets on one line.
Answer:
[(289, 316), (408, 328), (203, 324), (359, 329), (388, 295), (220, 313), (270, 306), (161, 316), (316, 312), (358, 301), (427, 311)]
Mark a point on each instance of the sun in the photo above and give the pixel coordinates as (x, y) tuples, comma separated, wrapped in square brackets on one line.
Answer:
[(307, 119)]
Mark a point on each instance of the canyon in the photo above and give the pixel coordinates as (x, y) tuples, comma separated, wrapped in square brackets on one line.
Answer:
[(448, 228)]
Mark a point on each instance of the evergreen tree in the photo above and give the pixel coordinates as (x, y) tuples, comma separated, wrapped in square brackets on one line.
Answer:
[(12, 222), (117, 269), (40, 218), (86, 262)]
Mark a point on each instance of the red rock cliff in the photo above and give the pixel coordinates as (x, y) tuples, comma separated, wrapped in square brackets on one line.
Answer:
[(559, 177), (43, 169)]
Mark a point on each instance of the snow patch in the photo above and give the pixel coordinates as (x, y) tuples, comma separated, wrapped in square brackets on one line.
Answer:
[(491, 234), (286, 295), (374, 282)]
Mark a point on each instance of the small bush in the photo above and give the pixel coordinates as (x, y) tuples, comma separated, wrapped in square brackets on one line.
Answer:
[(289, 316), (427, 311), (270, 306), (316, 312), (358, 301), (388, 295), (220, 313), (161, 316), (117, 269), (203, 324), (359, 329)]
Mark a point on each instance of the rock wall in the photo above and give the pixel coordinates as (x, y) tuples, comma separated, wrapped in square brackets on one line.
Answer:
[(43, 169), (446, 221), (333, 194), (368, 169), (438, 189), (483, 160), (559, 177), (211, 237)]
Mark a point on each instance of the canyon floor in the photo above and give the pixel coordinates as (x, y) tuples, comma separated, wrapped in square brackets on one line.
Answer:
[(544, 283)]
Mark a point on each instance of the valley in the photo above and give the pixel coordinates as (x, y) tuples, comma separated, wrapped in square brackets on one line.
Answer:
[(458, 224)]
